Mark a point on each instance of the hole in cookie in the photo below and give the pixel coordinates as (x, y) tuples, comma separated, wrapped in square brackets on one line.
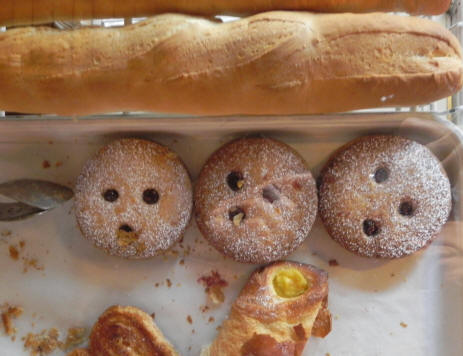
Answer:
[(371, 227), (126, 236), (381, 175), (290, 283), (271, 193), (125, 228), (235, 181), (407, 208), (150, 196), (111, 195), (236, 215)]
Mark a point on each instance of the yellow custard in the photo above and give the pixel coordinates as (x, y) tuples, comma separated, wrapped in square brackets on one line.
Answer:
[(290, 283)]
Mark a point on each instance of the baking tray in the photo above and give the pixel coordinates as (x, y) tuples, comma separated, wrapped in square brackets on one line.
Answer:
[(410, 306)]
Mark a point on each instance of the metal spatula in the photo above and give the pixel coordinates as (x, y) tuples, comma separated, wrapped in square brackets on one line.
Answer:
[(31, 197)]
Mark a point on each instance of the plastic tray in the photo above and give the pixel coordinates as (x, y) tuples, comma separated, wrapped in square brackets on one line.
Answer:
[(411, 306)]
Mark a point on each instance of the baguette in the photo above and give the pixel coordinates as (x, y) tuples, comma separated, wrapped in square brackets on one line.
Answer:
[(20, 12), (275, 314), (271, 63)]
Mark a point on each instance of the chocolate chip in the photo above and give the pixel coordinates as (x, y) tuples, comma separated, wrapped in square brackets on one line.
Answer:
[(236, 215), (125, 228), (406, 208), (271, 193), (111, 195), (381, 175), (150, 196), (370, 227), (235, 181)]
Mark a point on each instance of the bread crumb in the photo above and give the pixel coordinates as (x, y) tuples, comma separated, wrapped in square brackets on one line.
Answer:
[(402, 324), (6, 233), (204, 308), (211, 319), (75, 337), (14, 253), (333, 263), (169, 283), (156, 285), (46, 164), (43, 343), (10, 312), (29, 262), (182, 262), (189, 319), (58, 164), (392, 275), (214, 284), (153, 315)]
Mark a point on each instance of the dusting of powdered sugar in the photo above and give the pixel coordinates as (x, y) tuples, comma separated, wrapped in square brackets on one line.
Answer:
[(131, 166), (271, 229), (349, 194)]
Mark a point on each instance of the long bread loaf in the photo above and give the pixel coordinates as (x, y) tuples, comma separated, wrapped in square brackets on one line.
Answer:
[(271, 63), (17, 12)]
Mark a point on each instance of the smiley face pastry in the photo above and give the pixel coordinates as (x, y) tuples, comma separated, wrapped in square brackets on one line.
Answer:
[(255, 200), (384, 196), (133, 199)]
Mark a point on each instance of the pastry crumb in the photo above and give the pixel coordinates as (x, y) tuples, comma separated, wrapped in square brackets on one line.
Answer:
[(44, 343), (10, 312), (189, 319), (153, 315), (211, 319), (74, 337), (204, 308), (5, 233), (58, 164), (46, 164), (402, 324), (14, 252), (214, 284), (169, 283), (31, 262), (333, 263)]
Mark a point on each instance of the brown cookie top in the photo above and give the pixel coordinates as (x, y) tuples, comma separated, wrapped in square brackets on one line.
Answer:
[(255, 200), (134, 198), (384, 196)]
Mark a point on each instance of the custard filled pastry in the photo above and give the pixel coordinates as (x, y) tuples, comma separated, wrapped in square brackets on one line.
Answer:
[(276, 312), (126, 331)]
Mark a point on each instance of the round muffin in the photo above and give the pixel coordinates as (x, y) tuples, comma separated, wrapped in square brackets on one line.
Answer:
[(133, 199), (255, 200), (384, 196)]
